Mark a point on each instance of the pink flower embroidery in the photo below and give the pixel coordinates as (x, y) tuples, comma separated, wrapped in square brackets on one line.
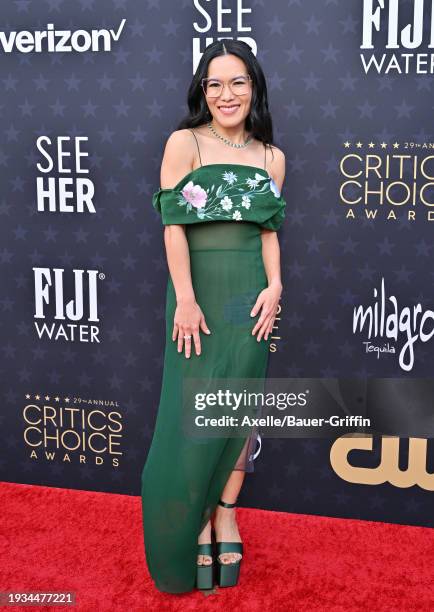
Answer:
[(194, 194)]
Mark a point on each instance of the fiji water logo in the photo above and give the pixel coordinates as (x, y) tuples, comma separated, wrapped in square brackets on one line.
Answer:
[(403, 27), (386, 320), (59, 41), (66, 306)]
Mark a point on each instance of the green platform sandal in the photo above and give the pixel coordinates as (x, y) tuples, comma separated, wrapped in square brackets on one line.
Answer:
[(205, 573), (228, 573)]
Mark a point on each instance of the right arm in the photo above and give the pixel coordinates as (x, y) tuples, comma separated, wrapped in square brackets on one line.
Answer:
[(189, 319)]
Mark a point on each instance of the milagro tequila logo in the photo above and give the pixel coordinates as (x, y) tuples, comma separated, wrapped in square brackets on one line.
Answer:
[(59, 41), (74, 319), (403, 25), (410, 322)]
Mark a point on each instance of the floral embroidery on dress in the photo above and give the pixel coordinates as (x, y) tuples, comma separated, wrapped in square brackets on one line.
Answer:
[(194, 194), (274, 188), (227, 199), (230, 177), (226, 203), (245, 202)]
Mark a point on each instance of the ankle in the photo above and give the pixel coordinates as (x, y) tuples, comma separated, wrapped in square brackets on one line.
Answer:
[(222, 511), (205, 534), (225, 516)]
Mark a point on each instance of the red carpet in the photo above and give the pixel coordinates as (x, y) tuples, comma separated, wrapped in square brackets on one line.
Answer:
[(91, 543)]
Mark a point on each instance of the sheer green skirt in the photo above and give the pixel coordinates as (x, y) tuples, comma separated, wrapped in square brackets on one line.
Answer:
[(184, 476)]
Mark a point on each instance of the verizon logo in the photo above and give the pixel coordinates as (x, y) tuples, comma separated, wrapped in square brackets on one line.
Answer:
[(59, 41)]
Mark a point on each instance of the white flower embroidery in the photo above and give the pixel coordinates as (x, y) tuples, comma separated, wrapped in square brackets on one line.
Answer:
[(226, 203), (245, 201), (230, 177), (237, 215), (274, 188), (252, 183)]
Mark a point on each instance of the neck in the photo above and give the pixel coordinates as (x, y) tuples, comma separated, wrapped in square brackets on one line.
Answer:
[(235, 133)]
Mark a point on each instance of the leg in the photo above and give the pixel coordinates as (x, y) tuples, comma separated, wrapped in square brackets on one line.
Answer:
[(225, 520), (227, 529), (205, 538), (233, 487)]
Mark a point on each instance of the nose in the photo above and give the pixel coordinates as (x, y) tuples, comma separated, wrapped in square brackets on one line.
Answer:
[(227, 89)]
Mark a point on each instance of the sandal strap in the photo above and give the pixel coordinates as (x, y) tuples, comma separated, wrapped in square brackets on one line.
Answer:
[(226, 505), (204, 549), (228, 547)]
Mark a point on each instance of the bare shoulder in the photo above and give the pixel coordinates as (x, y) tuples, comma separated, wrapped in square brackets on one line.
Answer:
[(277, 166), (278, 154), (178, 158)]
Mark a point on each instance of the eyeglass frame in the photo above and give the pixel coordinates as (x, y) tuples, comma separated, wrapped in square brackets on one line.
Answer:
[(249, 79)]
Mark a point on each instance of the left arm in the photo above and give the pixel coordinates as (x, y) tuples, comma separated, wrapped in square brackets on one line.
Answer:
[(268, 298)]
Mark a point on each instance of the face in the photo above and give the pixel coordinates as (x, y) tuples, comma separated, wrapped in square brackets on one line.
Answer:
[(229, 108)]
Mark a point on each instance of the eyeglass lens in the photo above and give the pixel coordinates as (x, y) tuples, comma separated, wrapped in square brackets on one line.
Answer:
[(214, 87)]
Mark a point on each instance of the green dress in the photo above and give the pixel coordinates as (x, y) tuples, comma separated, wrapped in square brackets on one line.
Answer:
[(223, 207)]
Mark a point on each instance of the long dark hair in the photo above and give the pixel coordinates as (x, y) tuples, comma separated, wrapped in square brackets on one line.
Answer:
[(258, 121)]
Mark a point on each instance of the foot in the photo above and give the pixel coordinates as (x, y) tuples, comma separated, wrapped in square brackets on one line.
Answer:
[(205, 538), (226, 530)]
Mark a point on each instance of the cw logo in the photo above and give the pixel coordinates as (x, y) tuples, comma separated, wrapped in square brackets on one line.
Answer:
[(388, 470)]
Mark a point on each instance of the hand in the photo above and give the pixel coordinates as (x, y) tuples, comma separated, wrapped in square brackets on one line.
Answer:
[(268, 300), (187, 321)]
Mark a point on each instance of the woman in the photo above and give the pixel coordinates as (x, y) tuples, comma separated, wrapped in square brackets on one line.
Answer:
[(221, 206)]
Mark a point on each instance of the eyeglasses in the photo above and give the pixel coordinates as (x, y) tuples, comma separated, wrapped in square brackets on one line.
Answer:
[(239, 86)]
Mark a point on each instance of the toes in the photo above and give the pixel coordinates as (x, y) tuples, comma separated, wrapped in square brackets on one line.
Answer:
[(230, 558)]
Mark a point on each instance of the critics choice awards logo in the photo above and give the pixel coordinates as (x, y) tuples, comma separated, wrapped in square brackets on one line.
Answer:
[(72, 429), (387, 181)]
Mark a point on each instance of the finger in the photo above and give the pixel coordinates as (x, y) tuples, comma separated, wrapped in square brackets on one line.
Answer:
[(270, 328), (204, 326), (181, 333), (263, 329), (256, 308), (175, 331), (196, 340), (256, 326), (264, 316), (187, 344)]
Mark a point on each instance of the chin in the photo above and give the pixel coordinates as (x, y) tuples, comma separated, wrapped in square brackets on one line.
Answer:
[(238, 117)]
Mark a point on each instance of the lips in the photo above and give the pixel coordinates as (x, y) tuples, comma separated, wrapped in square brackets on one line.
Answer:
[(228, 110)]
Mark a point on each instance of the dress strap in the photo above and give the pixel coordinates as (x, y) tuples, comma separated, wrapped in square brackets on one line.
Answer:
[(197, 144)]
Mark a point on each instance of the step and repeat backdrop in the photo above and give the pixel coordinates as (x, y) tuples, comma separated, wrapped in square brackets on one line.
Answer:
[(91, 90)]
